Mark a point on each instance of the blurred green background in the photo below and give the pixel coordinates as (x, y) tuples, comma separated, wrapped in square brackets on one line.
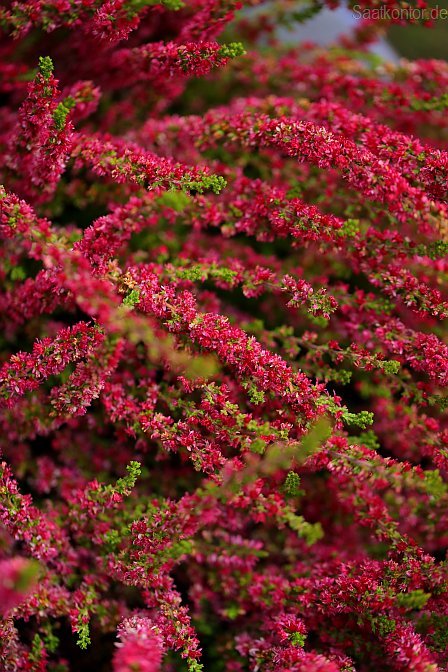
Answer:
[(419, 42)]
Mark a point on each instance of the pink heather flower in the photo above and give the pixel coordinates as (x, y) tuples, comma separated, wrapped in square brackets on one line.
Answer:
[(140, 646), (17, 580)]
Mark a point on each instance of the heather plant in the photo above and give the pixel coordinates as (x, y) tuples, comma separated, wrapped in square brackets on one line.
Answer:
[(224, 443)]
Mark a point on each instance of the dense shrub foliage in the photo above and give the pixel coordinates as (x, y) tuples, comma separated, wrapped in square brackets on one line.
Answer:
[(222, 362)]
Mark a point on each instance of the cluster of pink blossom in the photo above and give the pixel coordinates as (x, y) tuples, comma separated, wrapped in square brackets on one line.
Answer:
[(223, 357)]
